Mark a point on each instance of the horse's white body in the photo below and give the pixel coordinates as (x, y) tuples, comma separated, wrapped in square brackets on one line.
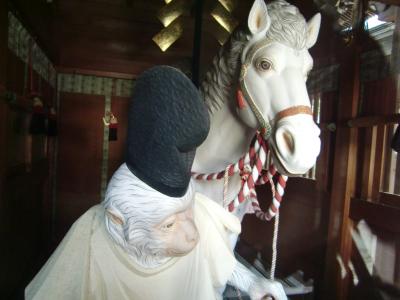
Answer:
[(276, 53)]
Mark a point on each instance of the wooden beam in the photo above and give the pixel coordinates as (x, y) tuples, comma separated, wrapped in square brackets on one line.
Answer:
[(120, 66), (369, 167), (389, 199), (198, 9), (388, 158), (106, 48), (370, 121), (379, 161), (343, 180), (3, 106), (95, 73), (390, 2), (377, 215), (140, 11)]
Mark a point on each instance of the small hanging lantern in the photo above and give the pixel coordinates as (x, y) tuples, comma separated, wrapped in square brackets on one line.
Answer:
[(52, 122), (112, 122), (38, 120)]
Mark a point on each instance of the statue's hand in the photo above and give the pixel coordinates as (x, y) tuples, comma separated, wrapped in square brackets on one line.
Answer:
[(264, 289)]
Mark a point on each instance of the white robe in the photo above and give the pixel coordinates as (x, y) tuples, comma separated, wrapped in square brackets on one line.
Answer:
[(89, 265)]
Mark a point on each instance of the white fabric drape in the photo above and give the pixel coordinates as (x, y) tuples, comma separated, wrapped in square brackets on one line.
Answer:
[(89, 265)]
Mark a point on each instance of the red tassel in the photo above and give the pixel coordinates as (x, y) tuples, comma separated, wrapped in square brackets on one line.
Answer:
[(113, 129), (240, 99), (38, 119)]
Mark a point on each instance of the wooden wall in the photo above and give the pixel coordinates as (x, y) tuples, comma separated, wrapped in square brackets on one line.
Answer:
[(79, 156), (365, 117), (116, 157), (25, 194), (81, 151), (3, 75)]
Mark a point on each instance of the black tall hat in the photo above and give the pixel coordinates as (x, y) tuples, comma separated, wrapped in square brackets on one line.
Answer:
[(167, 121)]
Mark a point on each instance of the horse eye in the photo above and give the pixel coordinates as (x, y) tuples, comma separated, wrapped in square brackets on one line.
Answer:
[(169, 225), (264, 65)]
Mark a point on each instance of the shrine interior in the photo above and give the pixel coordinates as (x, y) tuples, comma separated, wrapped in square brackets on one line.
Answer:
[(339, 231)]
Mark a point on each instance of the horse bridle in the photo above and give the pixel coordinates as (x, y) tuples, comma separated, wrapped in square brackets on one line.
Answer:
[(244, 96)]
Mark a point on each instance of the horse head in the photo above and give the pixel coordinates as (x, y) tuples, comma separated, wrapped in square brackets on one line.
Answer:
[(272, 94)]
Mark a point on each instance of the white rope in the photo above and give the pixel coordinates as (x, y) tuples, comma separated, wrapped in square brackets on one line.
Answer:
[(274, 246), (225, 200)]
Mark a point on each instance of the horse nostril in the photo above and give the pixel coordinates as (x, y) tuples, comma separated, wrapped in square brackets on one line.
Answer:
[(289, 142), (285, 142)]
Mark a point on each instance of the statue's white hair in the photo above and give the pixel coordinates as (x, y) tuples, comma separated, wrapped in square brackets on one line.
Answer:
[(140, 208), (288, 27)]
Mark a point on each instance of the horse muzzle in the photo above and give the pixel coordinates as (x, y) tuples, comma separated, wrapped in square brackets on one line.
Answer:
[(295, 144)]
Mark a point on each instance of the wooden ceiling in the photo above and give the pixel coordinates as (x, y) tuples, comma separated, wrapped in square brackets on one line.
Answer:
[(116, 35)]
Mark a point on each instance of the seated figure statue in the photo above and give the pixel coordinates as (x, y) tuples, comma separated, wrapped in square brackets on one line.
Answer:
[(152, 237)]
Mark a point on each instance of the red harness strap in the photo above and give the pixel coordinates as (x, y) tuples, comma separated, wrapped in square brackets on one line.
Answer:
[(250, 169)]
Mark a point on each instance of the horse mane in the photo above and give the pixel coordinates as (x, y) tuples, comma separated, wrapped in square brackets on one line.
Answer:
[(288, 27), (216, 87)]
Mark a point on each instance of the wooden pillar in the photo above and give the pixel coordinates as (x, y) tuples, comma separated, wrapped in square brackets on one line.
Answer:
[(198, 9), (3, 64), (337, 273)]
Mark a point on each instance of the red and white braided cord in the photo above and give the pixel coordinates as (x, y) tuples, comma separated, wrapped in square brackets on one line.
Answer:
[(250, 167)]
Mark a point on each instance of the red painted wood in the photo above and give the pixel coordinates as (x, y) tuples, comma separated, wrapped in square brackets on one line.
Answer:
[(80, 157), (119, 107), (379, 97)]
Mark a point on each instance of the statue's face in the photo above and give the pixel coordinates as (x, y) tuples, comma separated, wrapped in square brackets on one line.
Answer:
[(178, 232), (151, 227)]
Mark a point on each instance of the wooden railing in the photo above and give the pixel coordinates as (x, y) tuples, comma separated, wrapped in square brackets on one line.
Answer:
[(379, 165), (377, 198), (377, 215), (371, 121)]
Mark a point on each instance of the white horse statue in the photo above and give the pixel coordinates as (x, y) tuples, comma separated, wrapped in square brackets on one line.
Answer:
[(258, 84)]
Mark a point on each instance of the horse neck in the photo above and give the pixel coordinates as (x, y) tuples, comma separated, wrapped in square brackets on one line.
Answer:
[(227, 141), (228, 138)]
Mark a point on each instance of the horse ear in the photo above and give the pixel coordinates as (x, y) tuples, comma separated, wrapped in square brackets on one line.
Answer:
[(313, 29), (259, 20)]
